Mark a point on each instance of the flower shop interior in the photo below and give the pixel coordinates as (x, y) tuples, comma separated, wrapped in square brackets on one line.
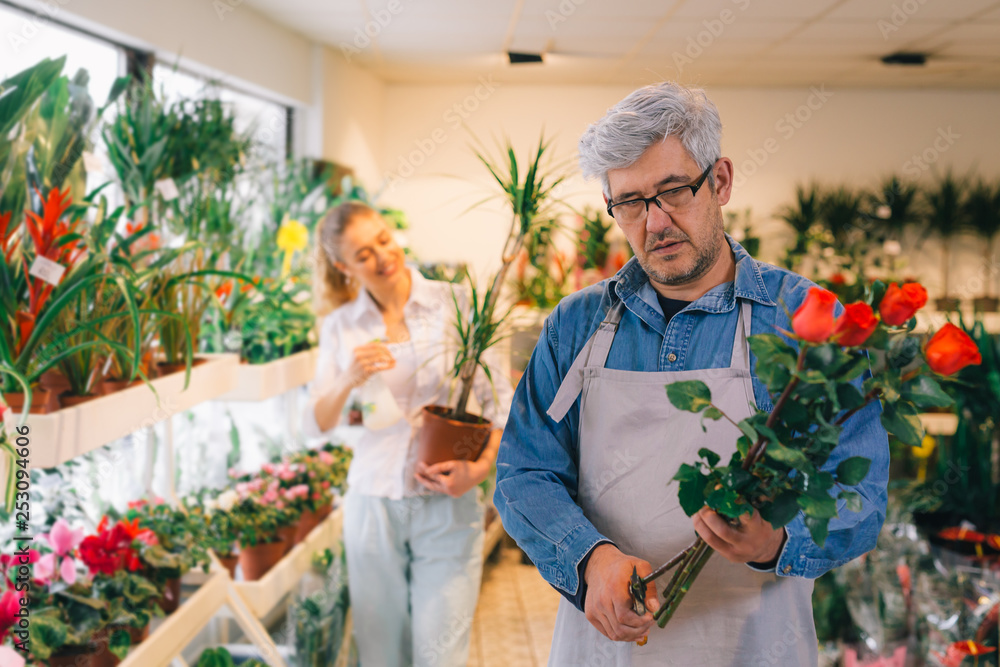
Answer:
[(166, 168)]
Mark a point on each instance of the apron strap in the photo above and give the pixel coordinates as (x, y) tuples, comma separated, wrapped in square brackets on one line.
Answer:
[(741, 348), (594, 353)]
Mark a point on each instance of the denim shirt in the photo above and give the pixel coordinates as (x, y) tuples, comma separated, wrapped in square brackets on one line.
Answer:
[(537, 473)]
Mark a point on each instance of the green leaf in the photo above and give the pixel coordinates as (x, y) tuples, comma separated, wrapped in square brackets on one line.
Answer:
[(46, 635), (743, 445), (788, 456), (770, 350), (822, 356), (687, 473), (119, 643), (713, 413), (796, 415), (877, 291), (854, 369), (849, 397), (776, 377), (925, 392), (780, 511), (819, 529), (902, 351), (691, 395), (692, 494), (727, 502), (852, 471), (852, 500), (818, 508), (710, 457), (901, 421), (748, 430)]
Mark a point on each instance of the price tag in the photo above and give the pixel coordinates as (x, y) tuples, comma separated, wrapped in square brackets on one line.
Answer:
[(92, 163), (167, 189), (47, 270)]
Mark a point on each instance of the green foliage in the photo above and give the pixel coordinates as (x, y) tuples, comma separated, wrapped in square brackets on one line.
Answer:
[(946, 205), (982, 210)]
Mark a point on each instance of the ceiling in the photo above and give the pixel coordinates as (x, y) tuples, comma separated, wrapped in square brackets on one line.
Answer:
[(704, 42)]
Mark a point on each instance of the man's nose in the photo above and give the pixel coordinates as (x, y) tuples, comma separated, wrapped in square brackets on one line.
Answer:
[(657, 219)]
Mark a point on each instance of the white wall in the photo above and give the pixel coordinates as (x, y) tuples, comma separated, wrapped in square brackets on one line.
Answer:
[(849, 136), (228, 37), (354, 108)]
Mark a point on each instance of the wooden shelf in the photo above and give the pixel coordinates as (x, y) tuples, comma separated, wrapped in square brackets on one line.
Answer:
[(494, 533), (259, 382), (67, 433), (934, 320), (168, 636), (264, 595)]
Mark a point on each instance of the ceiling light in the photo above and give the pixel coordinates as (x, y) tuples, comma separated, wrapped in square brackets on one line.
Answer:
[(517, 58), (914, 59)]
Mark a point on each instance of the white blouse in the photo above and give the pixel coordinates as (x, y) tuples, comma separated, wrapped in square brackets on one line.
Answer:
[(383, 460)]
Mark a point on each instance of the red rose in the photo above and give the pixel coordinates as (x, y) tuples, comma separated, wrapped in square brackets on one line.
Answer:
[(855, 326), (838, 279), (813, 321), (901, 303), (950, 350)]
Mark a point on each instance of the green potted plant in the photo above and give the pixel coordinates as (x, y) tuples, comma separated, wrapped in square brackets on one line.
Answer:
[(802, 217), (946, 216), (739, 224), (259, 517), (211, 518), (450, 433), (983, 216), (892, 208)]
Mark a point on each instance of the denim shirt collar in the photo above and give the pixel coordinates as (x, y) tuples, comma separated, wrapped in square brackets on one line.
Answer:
[(749, 284)]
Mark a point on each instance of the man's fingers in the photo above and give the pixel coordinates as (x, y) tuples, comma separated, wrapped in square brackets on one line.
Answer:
[(719, 526), (713, 540)]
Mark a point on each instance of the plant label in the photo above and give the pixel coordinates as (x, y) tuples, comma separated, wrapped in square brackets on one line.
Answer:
[(92, 163), (45, 269), (167, 189)]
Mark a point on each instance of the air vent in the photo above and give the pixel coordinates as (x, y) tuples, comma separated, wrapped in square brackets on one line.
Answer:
[(521, 58), (904, 58)]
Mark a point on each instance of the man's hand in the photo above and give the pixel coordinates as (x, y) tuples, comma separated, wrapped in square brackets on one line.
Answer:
[(753, 541), (608, 605)]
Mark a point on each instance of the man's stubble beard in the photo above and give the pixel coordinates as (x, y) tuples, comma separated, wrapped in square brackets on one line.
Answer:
[(705, 257)]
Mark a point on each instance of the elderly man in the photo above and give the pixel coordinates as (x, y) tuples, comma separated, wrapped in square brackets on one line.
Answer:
[(592, 440)]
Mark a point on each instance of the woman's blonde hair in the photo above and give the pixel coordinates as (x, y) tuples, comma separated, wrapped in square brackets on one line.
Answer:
[(331, 287)]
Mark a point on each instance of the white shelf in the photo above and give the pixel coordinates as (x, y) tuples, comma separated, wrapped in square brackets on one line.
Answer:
[(494, 534), (939, 423), (169, 636), (67, 433), (259, 382), (934, 320), (264, 595)]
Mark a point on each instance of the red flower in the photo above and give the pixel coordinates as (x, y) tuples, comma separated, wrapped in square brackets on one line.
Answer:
[(10, 604), (855, 326), (838, 279), (899, 304), (813, 321), (111, 550), (950, 350), (224, 290), (47, 230), (6, 234), (959, 534)]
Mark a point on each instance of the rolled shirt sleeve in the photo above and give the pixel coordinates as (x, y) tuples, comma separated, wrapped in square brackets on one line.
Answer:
[(537, 473)]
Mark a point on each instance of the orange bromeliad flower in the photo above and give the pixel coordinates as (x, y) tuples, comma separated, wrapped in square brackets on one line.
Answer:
[(224, 290), (48, 228)]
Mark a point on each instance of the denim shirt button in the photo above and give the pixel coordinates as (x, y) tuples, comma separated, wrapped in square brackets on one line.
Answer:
[(787, 569), (671, 357)]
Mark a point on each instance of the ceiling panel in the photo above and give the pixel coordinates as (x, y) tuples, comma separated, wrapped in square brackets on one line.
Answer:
[(736, 42)]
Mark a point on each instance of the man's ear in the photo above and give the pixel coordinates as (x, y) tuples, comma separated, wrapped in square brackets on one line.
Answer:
[(724, 172)]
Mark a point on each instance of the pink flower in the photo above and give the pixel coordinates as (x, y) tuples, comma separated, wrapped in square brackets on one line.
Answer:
[(8, 656), (325, 484), (63, 539), (45, 568), (268, 468), (68, 570), (326, 458)]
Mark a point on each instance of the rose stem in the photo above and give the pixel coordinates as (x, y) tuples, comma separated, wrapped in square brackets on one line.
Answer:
[(691, 571), (756, 453), (666, 567)]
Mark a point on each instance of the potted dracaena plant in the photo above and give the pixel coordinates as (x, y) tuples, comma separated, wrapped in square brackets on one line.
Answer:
[(982, 210), (946, 216), (450, 433), (814, 375)]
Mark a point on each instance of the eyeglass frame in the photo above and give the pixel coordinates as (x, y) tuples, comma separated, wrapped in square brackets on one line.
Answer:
[(694, 187)]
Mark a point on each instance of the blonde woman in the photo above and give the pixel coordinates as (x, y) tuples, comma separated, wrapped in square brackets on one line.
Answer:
[(413, 534)]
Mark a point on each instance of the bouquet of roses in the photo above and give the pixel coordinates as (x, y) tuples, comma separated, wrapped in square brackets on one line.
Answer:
[(777, 469)]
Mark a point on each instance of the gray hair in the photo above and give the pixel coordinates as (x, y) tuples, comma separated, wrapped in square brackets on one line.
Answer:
[(648, 115)]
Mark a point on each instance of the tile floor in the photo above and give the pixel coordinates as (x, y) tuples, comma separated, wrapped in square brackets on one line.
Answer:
[(516, 615)]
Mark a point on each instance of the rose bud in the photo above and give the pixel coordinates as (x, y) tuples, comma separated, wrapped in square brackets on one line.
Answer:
[(813, 321), (899, 304), (855, 326), (950, 350)]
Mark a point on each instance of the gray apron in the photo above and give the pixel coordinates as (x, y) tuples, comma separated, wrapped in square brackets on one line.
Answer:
[(631, 443)]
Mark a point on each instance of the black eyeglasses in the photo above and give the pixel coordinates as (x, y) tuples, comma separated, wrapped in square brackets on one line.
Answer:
[(635, 210)]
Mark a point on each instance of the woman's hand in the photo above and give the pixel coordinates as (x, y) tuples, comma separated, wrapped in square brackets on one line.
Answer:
[(368, 360), (453, 478)]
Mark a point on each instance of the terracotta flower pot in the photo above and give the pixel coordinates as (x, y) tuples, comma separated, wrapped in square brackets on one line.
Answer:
[(103, 657), (229, 562), (443, 438), (257, 560), (323, 512), (163, 368), (54, 380), (112, 386), (986, 304), (79, 656), (41, 401), (307, 522), (138, 635), (171, 596), (70, 400), (287, 535)]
